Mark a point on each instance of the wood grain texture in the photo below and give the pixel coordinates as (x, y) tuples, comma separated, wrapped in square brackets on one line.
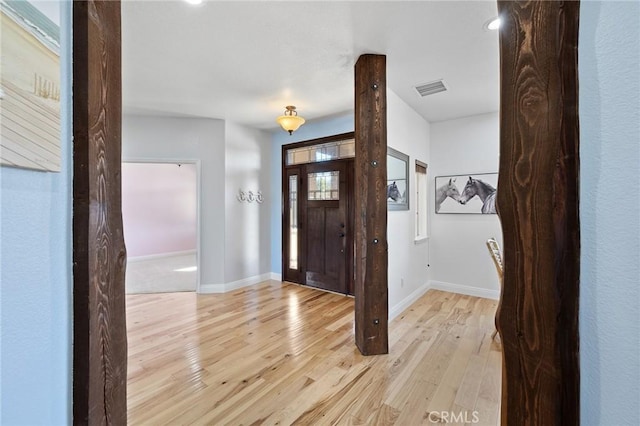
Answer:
[(325, 249), (284, 354), (371, 249), (538, 207), (100, 341)]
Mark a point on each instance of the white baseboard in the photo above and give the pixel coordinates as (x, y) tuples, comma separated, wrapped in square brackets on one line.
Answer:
[(276, 277), (465, 289), (160, 255), (234, 285), (408, 301), (439, 285)]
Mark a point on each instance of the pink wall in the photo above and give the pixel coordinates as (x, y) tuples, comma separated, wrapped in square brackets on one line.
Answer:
[(158, 208)]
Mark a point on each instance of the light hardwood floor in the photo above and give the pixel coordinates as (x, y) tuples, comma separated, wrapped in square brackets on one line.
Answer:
[(285, 354)]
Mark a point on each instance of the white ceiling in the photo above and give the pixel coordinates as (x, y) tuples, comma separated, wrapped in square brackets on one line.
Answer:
[(244, 61)]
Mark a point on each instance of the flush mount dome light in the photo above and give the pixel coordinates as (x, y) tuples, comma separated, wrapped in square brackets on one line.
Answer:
[(493, 24), (194, 2)]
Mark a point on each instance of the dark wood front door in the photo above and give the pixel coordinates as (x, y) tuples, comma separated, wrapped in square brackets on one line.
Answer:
[(325, 242), (317, 224)]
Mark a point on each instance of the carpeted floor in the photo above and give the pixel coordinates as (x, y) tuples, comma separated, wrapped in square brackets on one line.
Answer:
[(161, 275)]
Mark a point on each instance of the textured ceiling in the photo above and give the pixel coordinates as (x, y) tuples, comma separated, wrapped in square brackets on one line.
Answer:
[(244, 61)]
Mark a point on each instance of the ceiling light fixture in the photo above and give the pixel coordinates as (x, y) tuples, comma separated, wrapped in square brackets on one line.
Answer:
[(194, 2), (493, 24), (290, 120)]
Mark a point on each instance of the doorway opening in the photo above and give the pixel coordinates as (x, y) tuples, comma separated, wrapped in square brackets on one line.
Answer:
[(160, 221), (317, 220), (98, 329)]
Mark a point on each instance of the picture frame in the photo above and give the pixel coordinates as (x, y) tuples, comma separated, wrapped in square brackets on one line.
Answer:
[(30, 87), (397, 180), (473, 193)]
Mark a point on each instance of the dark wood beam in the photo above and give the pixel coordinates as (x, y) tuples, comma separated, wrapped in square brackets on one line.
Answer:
[(371, 294), (99, 333), (538, 207)]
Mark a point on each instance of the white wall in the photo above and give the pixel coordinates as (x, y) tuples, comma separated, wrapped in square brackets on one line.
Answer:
[(609, 72), (459, 258), (408, 133), (188, 139), (247, 238), (159, 208)]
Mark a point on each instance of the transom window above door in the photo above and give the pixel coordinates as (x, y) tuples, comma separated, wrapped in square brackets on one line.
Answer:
[(322, 152)]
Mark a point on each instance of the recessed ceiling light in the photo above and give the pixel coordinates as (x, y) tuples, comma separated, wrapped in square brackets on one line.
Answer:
[(493, 24), (194, 1)]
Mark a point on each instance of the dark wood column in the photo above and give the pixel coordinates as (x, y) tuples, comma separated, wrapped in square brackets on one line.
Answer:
[(99, 334), (538, 207), (370, 290)]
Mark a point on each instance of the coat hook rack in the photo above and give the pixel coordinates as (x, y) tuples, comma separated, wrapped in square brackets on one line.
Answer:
[(250, 196)]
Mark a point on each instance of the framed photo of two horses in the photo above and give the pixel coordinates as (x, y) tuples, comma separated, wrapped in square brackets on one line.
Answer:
[(397, 180), (470, 193)]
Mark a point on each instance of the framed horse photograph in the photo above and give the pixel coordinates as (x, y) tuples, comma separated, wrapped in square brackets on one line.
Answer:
[(471, 193), (397, 180)]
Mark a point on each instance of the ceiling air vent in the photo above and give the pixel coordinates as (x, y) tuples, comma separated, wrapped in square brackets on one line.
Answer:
[(431, 88)]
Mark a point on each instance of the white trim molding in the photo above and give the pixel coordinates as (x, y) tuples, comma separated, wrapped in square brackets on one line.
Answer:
[(421, 240), (234, 285), (160, 255), (276, 277), (408, 301), (465, 289), (197, 163), (442, 286)]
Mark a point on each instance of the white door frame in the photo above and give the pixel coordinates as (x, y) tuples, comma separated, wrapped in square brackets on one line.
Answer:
[(181, 161)]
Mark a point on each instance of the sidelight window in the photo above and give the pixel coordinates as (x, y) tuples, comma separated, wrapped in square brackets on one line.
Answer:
[(293, 222)]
